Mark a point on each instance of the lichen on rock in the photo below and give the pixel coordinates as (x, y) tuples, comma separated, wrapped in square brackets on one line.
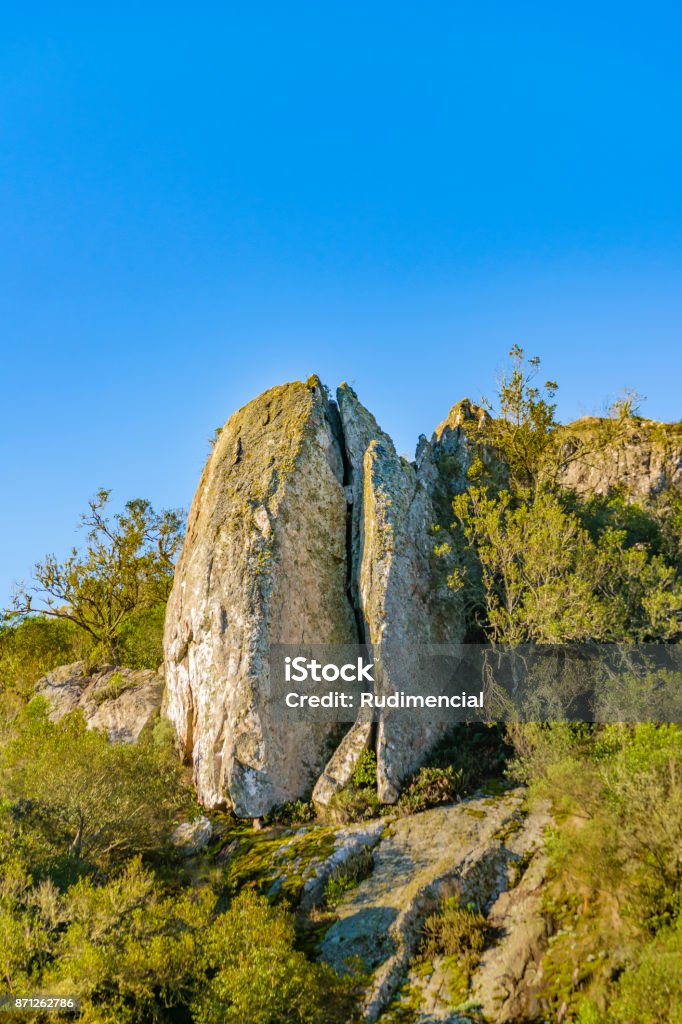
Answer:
[(264, 562), (119, 701)]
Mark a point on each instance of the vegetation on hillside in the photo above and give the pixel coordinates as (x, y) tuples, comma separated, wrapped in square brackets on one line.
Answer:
[(542, 565), (94, 899)]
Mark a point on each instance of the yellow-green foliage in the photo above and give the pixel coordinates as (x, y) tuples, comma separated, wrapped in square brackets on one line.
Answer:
[(134, 951), (125, 565), (141, 638), (455, 931), (81, 802), (352, 804), (365, 771), (92, 899), (615, 894), (33, 647), (538, 575)]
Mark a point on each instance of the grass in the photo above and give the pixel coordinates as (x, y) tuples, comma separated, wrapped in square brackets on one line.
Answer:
[(347, 876)]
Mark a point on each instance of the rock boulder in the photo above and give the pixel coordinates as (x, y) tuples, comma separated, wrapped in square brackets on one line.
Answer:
[(264, 562), (119, 701)]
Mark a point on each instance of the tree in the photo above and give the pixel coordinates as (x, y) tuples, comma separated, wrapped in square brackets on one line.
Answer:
[(522, 431), (126, 565), (535, 575), (524, 424)]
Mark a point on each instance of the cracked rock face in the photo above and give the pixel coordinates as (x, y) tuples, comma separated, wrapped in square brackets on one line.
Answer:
[(399, 601), (264, 561), (308, 528), (404, 602)]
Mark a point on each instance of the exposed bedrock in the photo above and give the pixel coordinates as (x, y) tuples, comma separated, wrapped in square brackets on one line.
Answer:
[(264, 561), (399, 593), (405, 602), (307, 527)]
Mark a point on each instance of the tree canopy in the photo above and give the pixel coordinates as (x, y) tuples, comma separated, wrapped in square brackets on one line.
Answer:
[(125, 565)]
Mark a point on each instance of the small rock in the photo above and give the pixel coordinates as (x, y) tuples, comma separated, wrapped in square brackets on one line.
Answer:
[(192, 836), (118, 701)]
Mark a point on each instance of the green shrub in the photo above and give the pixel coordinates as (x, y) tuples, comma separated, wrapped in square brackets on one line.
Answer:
[(86, 803), (429, 787), (141, 638), (615, 884), (351, 804), (456, 931), (35, 646), (291, 812), (258, 975), (365, 772), (651, 992)]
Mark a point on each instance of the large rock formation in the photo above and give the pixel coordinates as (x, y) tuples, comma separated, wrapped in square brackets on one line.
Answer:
[(308, 528), (404, 602), (264, 562), (399, 594)]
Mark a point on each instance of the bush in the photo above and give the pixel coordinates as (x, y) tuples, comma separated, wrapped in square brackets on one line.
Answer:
[(141, 639), (88, 803), (365, 772), (456, 931), (616, 859), (351, 804), (36, 645), (258, 975), (429, 787), (33, 647), (651, 992), (291, 812)]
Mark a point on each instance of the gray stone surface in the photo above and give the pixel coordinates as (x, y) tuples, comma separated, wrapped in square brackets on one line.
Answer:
[(264, 561), (644, 459), (192, 837), (118, 701), (505, 985), (421, 860), (338, 771), (405, 600)]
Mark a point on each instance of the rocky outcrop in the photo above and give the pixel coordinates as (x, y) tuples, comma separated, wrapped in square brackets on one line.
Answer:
[(119, 701), (478, 850), (641, 457), (264, 562), (307, 527), (404, 603), (359, 429)]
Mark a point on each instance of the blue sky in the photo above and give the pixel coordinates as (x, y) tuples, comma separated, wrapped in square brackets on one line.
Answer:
[(197, 202)]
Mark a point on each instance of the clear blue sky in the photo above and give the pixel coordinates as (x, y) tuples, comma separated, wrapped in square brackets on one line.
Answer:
[(200, 201)]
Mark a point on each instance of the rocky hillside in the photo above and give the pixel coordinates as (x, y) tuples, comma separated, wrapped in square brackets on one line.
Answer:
[(308, 527)]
